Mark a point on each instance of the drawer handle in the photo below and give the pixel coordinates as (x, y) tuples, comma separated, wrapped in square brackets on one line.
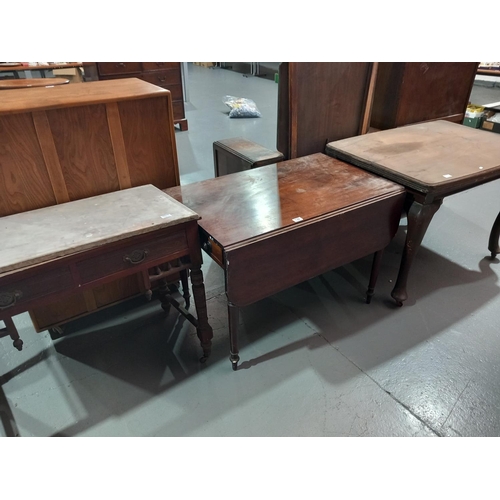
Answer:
[(9, 299), (162, 79), (160, 64), (136, 257), (207, 246), (120, 65)]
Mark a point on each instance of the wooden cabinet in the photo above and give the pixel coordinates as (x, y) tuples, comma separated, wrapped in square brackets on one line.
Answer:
[(75, 141), (412, 92), (322, 102), (164, 74)]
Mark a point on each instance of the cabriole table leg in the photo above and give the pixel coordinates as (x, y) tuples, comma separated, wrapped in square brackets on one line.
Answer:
[(419, 218), (494, 244)]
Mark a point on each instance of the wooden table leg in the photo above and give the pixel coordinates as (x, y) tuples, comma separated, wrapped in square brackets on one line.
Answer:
[(234, 317), (185, 288), (11, 330), (419, 218), (204, 330), (377, 260), (494, 243)]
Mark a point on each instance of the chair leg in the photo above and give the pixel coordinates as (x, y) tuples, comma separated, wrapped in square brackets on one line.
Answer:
[(377, 260), (11, 330)]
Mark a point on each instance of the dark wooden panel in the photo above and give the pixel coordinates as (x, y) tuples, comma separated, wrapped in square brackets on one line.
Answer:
[(178, 110), (28, 288), (25, 188), (118, 68), (116, 261), (152, 66), (149, 142), (83, 144), (326, 102), (163, 78), (116, 291), (260, 269), (412, 92)]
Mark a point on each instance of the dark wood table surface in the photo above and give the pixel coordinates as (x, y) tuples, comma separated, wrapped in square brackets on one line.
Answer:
[(275, 226), (431, 160)]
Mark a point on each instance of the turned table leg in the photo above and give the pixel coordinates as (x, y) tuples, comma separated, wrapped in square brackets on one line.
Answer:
[(419, 218), (185, 288), (494, 244), (234, 316), (377, 261), (11, 330), (203, 330)]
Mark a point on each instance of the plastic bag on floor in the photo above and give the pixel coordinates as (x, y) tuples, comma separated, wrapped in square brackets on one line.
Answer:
[(241, 107)]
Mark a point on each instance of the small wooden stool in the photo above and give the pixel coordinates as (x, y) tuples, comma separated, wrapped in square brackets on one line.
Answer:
[(236, 155), (26, 83)]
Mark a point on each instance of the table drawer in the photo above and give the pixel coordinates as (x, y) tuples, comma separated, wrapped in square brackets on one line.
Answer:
[(152, 66), (119, 68), (132, 256), (165, 78), (24, 290)]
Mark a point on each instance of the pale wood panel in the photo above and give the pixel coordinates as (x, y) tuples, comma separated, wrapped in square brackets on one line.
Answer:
[(83, 143), (64, 96), (24, 181), (49, 152), (150, 144), (115, 130)]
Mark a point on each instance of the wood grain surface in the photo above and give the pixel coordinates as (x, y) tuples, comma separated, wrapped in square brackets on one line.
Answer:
[(77, 95), (27, 187), (436, 157), (245, 205)]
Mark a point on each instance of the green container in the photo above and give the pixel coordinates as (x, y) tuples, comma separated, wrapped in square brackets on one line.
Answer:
[(474, 122)]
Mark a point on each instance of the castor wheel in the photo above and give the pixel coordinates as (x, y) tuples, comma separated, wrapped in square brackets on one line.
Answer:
[(493, 255), (234, 358), (56, 331), (368, 299), (18, 344), (399, 303), (166, 306), (203, 359)]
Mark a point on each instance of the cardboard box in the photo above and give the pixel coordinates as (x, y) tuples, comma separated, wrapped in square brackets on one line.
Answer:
[(74, 75)]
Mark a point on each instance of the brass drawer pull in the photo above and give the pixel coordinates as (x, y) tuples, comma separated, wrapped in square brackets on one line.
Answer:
[(162, 79), (136, 257), (9, 299), (120, 65)]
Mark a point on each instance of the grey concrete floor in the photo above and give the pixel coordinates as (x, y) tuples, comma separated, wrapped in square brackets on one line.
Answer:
[(315, 359)]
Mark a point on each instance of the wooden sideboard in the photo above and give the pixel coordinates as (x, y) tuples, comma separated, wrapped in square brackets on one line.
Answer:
[(412, 92), (167, 75), (75, 141)]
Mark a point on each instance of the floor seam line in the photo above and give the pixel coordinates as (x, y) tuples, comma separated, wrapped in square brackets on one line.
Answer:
[(407, 408)]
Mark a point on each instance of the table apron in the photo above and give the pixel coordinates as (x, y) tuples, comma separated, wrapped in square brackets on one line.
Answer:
[(275, 263)]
